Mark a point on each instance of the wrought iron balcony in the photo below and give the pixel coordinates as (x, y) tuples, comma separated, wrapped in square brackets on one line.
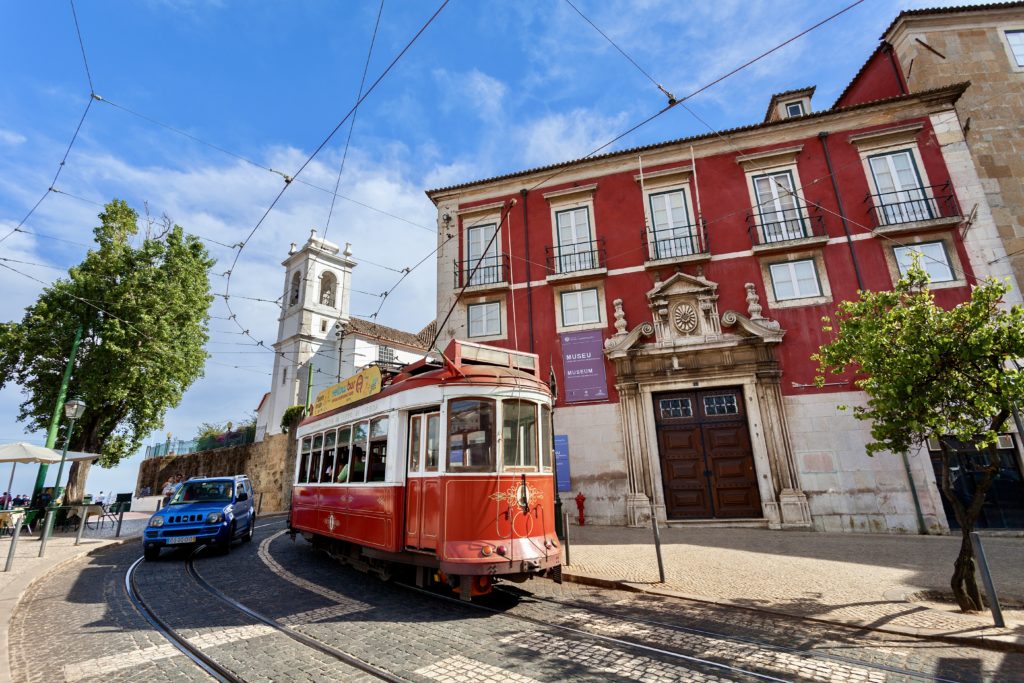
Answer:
[(487, 270), (572, 258), (780, 229), (685, 242), (918, 205)]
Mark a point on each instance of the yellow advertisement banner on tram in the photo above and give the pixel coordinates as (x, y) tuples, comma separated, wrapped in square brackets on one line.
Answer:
[(366, 382)]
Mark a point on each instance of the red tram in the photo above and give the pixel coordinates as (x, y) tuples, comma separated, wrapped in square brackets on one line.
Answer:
[(447, 469)]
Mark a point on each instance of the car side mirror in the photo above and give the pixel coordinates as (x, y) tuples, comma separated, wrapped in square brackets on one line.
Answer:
[(242, 496)]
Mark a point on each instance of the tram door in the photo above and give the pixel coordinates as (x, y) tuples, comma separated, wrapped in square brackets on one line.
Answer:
[(423, 483)]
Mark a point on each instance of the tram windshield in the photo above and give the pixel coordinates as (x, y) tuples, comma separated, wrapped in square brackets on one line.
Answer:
[(471, 435), (519, 435)]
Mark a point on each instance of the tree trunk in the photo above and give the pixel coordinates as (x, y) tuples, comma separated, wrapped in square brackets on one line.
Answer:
[(76, 481), (964, 581)]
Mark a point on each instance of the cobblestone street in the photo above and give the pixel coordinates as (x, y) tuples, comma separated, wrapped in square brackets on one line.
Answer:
[(78, 625)]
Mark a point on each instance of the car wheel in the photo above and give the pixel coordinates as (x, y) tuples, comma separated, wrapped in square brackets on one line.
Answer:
[(249, 532), (151, 552)]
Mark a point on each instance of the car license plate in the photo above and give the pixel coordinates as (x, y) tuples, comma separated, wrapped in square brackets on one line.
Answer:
[(182, 539)]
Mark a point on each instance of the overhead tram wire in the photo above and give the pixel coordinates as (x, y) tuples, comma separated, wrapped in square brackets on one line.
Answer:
[(671, 104), (326, 140), (81, 44)]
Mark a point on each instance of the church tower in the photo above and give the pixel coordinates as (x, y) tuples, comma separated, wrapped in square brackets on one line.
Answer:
[(316, 296)]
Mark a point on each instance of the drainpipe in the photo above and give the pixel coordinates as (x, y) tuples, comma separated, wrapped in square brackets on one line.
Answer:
[(526, 240), (823, 138)]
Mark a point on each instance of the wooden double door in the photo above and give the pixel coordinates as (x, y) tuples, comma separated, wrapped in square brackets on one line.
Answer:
[(707, 465)]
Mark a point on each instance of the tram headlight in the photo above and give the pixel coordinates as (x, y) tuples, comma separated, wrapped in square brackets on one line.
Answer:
[(502, 550), (486, 551)]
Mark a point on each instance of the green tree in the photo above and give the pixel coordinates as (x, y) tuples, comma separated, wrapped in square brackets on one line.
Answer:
[(934, 373), (143, 309)]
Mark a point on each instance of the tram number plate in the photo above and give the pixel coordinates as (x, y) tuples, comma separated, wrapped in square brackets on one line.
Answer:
[(182, 539)]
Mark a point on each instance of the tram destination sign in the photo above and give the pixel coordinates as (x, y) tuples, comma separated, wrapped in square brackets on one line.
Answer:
[(363, 384), (583, 366)]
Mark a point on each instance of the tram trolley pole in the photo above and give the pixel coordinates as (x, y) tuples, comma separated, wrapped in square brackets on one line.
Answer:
[(81, 524), (47, 528), (657, 546), (986, 578), (14, 542)]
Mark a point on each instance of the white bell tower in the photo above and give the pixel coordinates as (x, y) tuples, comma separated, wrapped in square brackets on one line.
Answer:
[(316, 296)]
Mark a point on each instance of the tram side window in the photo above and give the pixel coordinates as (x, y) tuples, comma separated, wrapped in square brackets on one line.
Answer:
[(357, 471), (327, 462), (415, 423), (433, 443), (471, 435), (378, 453), (344, 436), (302, 471), (519, 435), (314, 460), (546, 441)]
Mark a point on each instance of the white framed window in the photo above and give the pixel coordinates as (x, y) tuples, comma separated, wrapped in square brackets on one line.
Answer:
[(934, 260), (576, 249), (1015, 39), (482, 249), (795, 109), (672, 230), (901, 196), (778, 207), (580, 307), (795, 280), (485, 319)]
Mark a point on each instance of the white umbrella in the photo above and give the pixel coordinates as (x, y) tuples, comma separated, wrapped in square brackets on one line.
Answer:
[(23, 451)]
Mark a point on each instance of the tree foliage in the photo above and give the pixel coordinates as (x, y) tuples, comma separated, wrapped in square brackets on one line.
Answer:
[(144, 312), (933, 373), (291, 418)]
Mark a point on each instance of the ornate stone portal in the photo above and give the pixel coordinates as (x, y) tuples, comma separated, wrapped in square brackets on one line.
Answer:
[(690, 351)]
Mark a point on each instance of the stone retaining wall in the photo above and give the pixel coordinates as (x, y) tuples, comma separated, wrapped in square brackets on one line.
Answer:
[(262, 462)]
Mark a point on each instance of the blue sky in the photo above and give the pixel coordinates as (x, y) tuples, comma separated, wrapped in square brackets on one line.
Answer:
[(488, 88)]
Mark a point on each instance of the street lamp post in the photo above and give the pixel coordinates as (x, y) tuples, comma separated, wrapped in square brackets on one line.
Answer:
[(73, 411)]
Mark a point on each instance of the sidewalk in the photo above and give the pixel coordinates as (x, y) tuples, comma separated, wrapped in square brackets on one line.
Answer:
[(877, 581), (28, 566)]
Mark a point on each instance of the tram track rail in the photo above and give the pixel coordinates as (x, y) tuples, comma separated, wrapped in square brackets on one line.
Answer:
[(744, 640), (208, 664)]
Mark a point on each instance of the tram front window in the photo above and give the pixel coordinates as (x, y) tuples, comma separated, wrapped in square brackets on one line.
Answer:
[(546, 443), (519, 436), (471, 435)]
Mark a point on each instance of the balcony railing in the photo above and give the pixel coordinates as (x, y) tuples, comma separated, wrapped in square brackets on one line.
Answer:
[(676, 243), (570, 258), (912, 206), (487, 270), (779, 227)]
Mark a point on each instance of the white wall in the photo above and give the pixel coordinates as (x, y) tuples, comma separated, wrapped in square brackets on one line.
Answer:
[(597, 463)]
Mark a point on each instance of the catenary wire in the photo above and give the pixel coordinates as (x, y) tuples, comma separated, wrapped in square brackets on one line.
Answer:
[(81, 44)]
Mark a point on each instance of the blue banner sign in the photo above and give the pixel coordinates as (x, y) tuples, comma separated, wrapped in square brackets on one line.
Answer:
[(562, 462)]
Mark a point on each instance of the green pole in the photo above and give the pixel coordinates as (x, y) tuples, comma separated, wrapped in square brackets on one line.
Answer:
[(309, 386), (51, 434)]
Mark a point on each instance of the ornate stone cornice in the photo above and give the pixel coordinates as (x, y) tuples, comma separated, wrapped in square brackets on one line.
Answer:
[(766, 329), (617, 345)]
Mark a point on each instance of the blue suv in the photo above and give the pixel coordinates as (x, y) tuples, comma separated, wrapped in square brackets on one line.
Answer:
[(211, 511)]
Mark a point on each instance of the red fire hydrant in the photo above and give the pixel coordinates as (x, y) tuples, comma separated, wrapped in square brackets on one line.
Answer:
[(580, 500)]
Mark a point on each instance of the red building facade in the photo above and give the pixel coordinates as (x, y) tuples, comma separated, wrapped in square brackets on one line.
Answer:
[(677, 290)]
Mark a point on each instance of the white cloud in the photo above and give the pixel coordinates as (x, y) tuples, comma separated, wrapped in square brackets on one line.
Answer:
[(571, 135), (9, 137), (473, 90)]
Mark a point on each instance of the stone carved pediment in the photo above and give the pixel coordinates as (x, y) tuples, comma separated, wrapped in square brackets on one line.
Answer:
[(684, 313), (684, 310)]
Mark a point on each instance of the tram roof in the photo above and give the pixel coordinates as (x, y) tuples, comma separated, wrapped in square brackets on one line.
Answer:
[(467, 364)]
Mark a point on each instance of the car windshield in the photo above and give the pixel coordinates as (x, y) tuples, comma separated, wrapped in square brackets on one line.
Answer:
[(203, 492)]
